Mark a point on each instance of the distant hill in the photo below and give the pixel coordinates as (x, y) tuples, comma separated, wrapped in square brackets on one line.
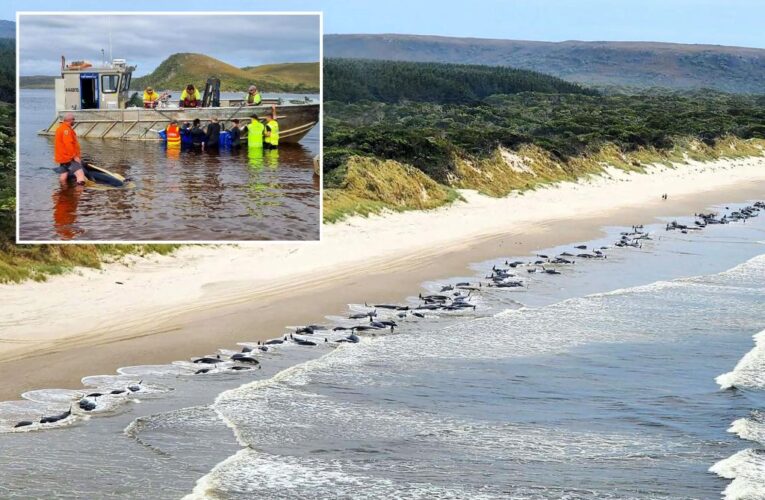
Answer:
[(632, 64), (178, 70), (351, 80), (36, 82), (287, 73), (7, 29)]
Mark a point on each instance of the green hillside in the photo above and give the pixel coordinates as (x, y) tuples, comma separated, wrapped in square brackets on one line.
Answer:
[(307, 74), (350, 80), (178, 70)]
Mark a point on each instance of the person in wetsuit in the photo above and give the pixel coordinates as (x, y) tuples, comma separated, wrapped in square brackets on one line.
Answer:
[(198, 136), (212, 138), (236, 134)]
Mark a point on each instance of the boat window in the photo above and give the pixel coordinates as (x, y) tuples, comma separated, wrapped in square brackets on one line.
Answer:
[(110, 83), (126, 81)]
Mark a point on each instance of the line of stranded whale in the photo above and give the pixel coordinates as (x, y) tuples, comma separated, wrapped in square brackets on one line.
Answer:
[(452, 297)]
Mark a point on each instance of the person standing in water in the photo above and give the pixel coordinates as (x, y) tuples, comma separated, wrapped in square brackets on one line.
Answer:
[(66, 152), (198, 136), (272, 130), (236, 134), (173, 134), (255, 132), (212, 137)]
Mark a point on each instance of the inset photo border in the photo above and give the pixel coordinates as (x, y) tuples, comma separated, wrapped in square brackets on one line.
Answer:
[(169, 127)]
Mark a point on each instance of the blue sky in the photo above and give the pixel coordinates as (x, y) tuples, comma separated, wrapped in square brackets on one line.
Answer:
[(724, 22)]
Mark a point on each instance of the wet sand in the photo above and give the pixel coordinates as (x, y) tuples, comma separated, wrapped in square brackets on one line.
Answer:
[(227, 312)]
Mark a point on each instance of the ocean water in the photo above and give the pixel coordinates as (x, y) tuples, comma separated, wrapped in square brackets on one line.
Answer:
[(227, 195), (635, 376)]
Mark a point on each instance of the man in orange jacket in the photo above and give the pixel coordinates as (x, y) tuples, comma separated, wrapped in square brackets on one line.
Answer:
[(66, 152)]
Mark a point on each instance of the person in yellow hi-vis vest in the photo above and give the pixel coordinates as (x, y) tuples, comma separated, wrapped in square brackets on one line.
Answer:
[(272, 130), (255, 132), (253, 96), (150, 98), (190, 97)]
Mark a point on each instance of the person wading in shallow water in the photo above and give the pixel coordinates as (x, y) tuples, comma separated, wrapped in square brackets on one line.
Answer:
[(66, 152), (272, 131), (213, 134), (198, 136), (236, 134), (255, 131)]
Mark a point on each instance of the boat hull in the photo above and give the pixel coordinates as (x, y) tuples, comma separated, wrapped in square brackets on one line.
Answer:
[(139, 124)]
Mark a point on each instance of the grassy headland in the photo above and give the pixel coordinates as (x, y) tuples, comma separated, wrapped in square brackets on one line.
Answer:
[(179, 70), (502, 132)]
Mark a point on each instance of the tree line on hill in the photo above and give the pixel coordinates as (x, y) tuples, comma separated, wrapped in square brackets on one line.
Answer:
[(424, 114), (353, 80)]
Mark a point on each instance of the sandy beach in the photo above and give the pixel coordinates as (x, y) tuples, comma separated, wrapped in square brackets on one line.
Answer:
[(160, 309)]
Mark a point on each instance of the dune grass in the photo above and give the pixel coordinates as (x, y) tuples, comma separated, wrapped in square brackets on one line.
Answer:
[(37, 262), (364, 185)]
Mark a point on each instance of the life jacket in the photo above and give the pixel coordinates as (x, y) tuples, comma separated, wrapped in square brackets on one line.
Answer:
[(254, 99), (66, 147), (190, 100), (173, 135), (150, 98), (255, 134), (273, 138)]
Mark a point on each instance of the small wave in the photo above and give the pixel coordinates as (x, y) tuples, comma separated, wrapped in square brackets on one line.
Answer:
[(751, 428), (750, 371), (153, 370), (231, 397), (249, 474), (747, 471)]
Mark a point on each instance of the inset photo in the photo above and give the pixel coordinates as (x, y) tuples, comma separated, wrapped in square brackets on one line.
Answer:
[(168, 127)]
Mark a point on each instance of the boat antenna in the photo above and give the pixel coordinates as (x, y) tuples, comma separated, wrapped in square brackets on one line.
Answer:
[(103, 58), (109, 19)]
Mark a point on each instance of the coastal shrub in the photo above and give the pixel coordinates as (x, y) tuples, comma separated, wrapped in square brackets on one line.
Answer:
[(367, 185), (430, 135)]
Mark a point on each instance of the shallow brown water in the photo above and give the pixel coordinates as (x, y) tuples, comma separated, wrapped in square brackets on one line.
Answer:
[(175, 195)]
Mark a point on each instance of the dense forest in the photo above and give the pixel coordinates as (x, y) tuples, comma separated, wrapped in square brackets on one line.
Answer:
[(429, 132), (7, 171), (7, 70), (353, 80)]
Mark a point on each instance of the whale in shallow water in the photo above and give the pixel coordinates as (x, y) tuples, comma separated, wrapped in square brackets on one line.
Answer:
[(86, 404), (98, 175), (242, 358), (304, 342), (56, 418), (208, 360)]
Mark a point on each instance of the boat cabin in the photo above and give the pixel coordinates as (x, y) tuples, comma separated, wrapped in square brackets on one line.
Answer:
[(84, 86)]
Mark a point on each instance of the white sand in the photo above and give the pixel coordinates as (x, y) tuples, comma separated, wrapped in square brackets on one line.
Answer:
[(71, 309)]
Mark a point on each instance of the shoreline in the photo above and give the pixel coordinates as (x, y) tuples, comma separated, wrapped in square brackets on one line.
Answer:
[(207, 298)]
